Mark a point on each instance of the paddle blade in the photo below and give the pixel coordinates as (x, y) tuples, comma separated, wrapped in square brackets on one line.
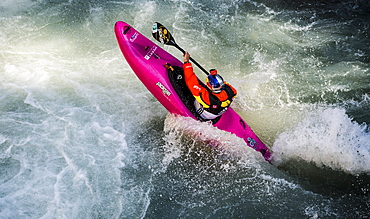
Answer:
[(161, 34)]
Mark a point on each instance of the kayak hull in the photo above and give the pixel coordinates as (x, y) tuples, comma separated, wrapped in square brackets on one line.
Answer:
[(148, 61)]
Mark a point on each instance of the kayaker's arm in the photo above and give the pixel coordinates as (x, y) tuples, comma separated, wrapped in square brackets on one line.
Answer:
[(186, 57)]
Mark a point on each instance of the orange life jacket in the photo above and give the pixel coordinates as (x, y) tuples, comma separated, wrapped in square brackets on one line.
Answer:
[(215, 103)]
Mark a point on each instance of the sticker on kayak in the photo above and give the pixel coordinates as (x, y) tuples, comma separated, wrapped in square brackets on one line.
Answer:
[(150, 52), (164, 90), (133, 37), (252, 142)]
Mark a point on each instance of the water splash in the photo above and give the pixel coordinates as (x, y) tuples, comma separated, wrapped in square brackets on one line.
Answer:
[(226, 145), (327, 137)]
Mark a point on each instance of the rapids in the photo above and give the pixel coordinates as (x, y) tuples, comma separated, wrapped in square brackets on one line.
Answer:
[(81, 137)]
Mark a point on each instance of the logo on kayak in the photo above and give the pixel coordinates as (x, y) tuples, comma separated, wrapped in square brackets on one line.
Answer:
[(252, 142), (164, 90), (150, 53), (133, 37)]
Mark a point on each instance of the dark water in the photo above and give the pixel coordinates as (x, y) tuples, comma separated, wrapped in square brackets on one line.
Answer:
[(81, 137)]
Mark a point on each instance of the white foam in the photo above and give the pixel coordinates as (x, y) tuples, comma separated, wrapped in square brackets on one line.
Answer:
[(327, 137), (225, 143)]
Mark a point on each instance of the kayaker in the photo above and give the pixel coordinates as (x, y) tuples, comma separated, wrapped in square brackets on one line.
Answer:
[(211, 100)]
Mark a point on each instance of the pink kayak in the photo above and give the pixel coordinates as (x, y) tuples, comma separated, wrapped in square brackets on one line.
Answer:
[(148, 61)]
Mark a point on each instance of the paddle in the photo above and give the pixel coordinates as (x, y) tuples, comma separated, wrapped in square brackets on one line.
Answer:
[(164, 36)]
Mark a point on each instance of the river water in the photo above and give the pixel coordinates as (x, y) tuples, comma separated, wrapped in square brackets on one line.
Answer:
[(81, 137)]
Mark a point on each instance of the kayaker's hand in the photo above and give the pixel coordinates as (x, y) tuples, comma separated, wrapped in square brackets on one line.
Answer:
[(186, 57)]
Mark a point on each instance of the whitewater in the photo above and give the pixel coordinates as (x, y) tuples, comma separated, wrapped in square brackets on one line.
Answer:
[(81, 137)]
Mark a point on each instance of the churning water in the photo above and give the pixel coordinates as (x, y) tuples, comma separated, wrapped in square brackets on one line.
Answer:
[(81, 137)]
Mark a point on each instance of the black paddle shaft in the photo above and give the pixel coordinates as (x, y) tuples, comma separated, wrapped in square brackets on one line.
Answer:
[(191, 59), (161, 34)]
